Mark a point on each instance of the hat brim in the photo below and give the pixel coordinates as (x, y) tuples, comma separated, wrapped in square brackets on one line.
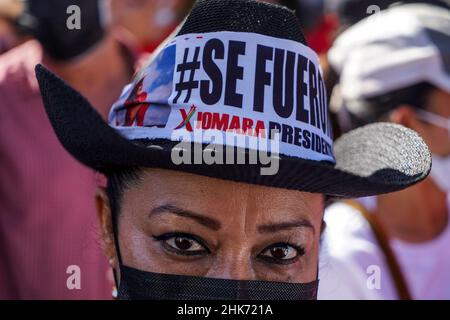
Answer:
[(371, 160)]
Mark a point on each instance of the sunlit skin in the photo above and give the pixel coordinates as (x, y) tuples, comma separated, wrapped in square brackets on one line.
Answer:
[(420, 213), (186, 224)]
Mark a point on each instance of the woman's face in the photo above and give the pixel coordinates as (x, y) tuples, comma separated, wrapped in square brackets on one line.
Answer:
[(186, 224)]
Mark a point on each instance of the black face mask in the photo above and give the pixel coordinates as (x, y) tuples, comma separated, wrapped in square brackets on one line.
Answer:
[(47, 22), (141, 285)]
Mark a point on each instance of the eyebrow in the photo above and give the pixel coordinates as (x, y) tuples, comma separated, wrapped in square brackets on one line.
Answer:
[(271, 228), (204, 221), (215, 225)]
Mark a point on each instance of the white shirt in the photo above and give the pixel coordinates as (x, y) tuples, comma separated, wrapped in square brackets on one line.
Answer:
[(352, 265)]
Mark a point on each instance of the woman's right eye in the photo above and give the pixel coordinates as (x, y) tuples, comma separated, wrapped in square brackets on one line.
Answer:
[(183, 244)]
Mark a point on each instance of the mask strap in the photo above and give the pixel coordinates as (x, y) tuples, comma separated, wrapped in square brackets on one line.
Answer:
[(116, 245), (432, 118)]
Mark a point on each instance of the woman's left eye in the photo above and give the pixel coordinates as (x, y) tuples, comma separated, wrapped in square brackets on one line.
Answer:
[(281, 253)]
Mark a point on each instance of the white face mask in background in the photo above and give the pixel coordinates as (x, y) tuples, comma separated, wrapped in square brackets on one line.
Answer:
[(440, 170), (434, 119)]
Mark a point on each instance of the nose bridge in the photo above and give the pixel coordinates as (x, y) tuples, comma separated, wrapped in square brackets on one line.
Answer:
[(234, 257), (235, 265)]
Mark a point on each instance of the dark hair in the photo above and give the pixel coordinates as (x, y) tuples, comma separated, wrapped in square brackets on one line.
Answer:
[(119, 181), (377, 108)]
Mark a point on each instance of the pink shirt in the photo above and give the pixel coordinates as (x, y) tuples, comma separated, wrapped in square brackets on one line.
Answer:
[(47, 209)]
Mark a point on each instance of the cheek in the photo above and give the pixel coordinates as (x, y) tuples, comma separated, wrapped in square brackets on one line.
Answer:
[(433, 136), (312, 258), (310, 263), (438, 140), (138, 250)]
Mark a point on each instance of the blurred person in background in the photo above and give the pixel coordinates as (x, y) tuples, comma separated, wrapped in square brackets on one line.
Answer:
[(394, 67), (148, 22), (350, 12), (47, 213), (346, 13), (11, 34)]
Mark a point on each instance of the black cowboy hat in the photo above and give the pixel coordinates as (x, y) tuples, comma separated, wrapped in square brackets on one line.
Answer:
[(371, 160)]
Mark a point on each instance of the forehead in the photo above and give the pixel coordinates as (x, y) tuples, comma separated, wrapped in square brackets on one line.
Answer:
[(220, 199)]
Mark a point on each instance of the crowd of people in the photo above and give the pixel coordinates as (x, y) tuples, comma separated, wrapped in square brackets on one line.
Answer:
[(382, 61)]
